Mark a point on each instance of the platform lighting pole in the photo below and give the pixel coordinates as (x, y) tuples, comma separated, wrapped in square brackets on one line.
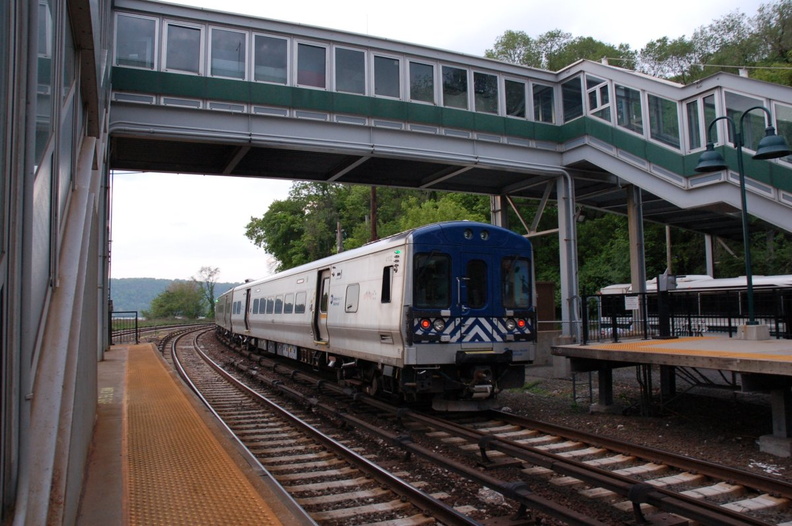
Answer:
[(771, 146)]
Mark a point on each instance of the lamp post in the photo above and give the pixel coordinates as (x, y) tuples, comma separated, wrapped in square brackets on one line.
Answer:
[(771, 146)]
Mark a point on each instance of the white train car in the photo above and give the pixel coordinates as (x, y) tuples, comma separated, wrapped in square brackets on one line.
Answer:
[(444, 311)]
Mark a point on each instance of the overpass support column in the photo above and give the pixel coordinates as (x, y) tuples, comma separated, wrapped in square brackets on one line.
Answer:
[(567, 242), (635, 224), (498, 211)]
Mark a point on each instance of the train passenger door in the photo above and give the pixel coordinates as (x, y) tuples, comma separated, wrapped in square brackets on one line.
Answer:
[(322, 302), (472, 284), (247, 310)]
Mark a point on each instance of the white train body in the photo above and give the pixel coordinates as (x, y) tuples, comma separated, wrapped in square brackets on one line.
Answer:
[(444, 310)]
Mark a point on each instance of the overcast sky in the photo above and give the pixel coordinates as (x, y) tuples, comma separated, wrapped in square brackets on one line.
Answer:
[(170, 225)]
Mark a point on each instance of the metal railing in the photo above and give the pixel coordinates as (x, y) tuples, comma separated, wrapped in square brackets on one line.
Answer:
[(610, 317), (124, 327)]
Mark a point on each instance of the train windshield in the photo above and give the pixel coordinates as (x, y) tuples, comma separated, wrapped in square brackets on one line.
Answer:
[(432, 286), (516, 282)]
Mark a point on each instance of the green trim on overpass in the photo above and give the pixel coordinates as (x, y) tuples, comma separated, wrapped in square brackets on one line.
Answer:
[(245, 92)]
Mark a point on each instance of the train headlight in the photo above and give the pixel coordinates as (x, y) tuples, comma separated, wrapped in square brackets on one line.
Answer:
[(510, 324), (426, 324), (439, 325)]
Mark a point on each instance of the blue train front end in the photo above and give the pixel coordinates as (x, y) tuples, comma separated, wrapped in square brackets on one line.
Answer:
[(470, 326)]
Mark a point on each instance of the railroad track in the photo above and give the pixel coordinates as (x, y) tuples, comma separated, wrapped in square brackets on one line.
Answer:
[(648, 484), (332, 483)]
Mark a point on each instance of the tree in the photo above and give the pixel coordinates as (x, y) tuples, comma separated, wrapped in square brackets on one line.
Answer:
[(181, 299), (208, 279)]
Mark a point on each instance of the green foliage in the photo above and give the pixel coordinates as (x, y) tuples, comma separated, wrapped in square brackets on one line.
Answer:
[(206, 281), (555, 50), (182, 299)]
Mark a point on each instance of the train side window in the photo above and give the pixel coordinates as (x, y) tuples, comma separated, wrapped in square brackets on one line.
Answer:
[(432, 282), (311, 65), (299, 303), (324, 297), (279, 304), (270, 305), (352, 297), (385, 294), (477, 283), (288, 303), (270, 61), (516, 282), (255, 306)]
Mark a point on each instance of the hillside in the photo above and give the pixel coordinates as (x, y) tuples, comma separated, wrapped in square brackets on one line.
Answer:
[(135, 294)]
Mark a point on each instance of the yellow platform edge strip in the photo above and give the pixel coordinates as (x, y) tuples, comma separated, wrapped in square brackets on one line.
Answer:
[(175, 469)]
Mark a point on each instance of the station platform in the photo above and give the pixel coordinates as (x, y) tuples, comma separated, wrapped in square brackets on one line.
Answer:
[(763, 365), (158, 456)]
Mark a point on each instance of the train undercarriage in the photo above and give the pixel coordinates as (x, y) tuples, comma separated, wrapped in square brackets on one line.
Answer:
[(471, 384)]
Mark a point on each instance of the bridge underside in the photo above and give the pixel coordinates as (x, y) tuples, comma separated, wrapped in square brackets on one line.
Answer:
[(594, 187)]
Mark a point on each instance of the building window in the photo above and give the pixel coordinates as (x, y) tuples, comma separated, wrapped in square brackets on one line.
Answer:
[(628, 109), (183, 49), (422, 82), (270, 62), (229, 51), (455, 87), (350, 71), (515, 98), (664, 121), (135, 41), (543, 103), (311, 66), (386, 77)]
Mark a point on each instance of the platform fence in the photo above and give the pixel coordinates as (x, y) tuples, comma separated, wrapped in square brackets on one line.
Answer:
[(124, 327), (611, 317)]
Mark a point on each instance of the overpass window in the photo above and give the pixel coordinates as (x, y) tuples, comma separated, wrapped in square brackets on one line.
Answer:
[(135, 41), (422, 82), (783, 115), (228, 53), (753, 123), (693, 124), (543, 103), (183, 48), (515, 98), (663, 121), (572, 98), (628, 109), (386, 77), (598, 97), (269, 61), (350, 71), (455, 87), (485, 89), (311, 65)]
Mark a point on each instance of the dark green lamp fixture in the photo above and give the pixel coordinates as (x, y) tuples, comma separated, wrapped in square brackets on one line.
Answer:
[(771, 146)]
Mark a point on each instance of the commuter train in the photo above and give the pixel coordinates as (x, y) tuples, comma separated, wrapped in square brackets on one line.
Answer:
[(443, 312)]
